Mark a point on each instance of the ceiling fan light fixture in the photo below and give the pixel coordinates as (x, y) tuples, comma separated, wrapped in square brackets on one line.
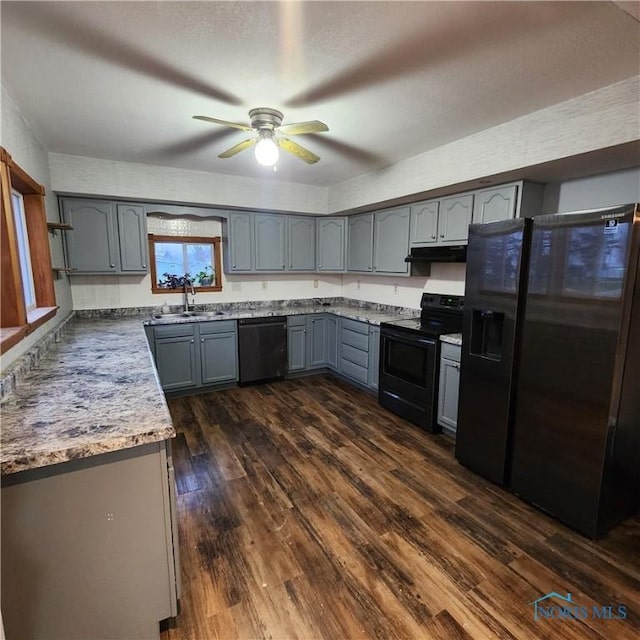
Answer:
[(267, 152)]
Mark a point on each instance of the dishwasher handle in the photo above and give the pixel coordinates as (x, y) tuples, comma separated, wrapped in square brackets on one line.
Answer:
[(252, 322)]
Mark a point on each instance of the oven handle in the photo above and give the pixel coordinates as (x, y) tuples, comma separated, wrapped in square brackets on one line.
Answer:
[(413, 341)]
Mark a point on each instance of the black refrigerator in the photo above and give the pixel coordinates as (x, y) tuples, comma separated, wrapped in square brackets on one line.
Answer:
[(550, 372)]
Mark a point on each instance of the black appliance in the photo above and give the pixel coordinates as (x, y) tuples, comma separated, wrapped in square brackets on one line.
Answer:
[(550, 345), (410, 359), (451, 253), (262, 348)]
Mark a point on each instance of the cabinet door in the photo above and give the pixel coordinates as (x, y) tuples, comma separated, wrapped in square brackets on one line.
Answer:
[(360, 243), (132, 236), (331, 244), (316, 342), (492, 205), (270, 242), (454, 218), (240, 244), (302, 243), (374, 356), (424, 223), (296, 347), (391, 241), (448, 393), (92, 245), (332, 342), (219, 357), (176, 362)]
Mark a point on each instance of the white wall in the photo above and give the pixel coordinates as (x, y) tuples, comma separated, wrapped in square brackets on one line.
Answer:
[(596, 120), (93, 176), (17, 137), (116, 292), (604, 190)]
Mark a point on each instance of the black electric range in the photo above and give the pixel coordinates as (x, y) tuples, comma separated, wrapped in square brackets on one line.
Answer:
[(410, 359)]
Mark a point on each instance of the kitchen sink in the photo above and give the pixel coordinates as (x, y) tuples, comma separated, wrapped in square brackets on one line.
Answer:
[(188, 314)]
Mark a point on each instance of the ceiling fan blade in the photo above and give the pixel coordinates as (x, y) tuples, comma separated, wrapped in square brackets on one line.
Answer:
[(298, 151), (241, 146), (226, 123), (297, 128)]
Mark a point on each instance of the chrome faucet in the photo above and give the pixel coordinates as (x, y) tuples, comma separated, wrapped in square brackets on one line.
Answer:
[(188, 285)]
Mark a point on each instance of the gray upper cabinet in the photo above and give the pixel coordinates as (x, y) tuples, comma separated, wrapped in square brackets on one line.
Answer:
[(107, 237), (270, 242), (360, 243), (454, 218), (92, 246), (132, 233), (331, 244), (302, 243), (491, 205), (391, 241), (424, 223), (238, 230)]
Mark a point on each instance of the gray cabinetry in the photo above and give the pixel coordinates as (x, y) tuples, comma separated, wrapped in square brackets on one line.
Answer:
[(354, 350), (218, 352), (331, 243), (316, 342), (332, 342), (454, 218), (107, 237), (175, 354), (491, 205), (424, 223), (301, 243), (391, 241), (297, 343), (448, 387), (238, 234), (270, 241), (374, 356), (132, 237), (360, 243)]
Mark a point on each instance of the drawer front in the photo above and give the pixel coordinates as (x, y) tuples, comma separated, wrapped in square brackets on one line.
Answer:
[(173, 330), (356, 356), (353, 339), (351, 370), (451, 351), (217, 326), (355, 325), (296, 321)]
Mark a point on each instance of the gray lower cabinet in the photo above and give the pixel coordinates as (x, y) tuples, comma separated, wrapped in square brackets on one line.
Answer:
[(90, 547), (360, 243), (391, 241), (448, 387), (297, 343), (331, 243), (374, 356), (270, 242), (218, 352), (107, 237), (182, 366), (332, 342), (301, 243), (354, 350), (316, 342)]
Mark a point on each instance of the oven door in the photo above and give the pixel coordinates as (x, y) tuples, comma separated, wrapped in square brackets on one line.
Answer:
[(408, 376)]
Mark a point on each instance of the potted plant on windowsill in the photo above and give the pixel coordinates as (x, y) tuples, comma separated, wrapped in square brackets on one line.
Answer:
[(174, 281), (204, 278)]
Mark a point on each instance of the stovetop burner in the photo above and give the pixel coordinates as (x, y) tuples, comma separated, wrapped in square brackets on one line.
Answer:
[(441, 314)]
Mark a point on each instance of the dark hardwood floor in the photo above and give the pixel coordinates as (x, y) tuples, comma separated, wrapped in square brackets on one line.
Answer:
[(307, 511)]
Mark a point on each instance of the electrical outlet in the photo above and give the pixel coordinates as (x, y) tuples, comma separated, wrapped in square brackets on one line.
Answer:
[(236, 286), (264, 285), (395, 289), (358, 285), (315, 284)]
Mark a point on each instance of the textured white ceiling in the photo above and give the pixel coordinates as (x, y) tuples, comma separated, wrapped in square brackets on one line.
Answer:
[(121, 80)]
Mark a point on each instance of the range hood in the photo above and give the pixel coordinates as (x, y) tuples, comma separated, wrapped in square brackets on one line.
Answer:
[(420, 258)]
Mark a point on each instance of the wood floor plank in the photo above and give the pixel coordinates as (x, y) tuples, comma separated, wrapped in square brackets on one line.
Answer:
[(307, 511)]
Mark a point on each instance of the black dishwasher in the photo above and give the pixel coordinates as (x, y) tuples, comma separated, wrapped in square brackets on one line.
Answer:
[(262, 348)]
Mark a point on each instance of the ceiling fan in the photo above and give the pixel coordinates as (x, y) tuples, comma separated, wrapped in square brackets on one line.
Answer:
[(267, 123)]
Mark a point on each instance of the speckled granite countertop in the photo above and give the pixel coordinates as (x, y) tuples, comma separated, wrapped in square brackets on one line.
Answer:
[(354, 313), (452, 338), (95, 392)]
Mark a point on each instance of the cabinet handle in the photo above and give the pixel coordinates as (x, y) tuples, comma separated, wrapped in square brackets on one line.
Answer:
[(319, 266), (144, 266), (442, 235), (192, 341), (201, 339), (113, 265), (233, 266), (283, 266), (433, 237)]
